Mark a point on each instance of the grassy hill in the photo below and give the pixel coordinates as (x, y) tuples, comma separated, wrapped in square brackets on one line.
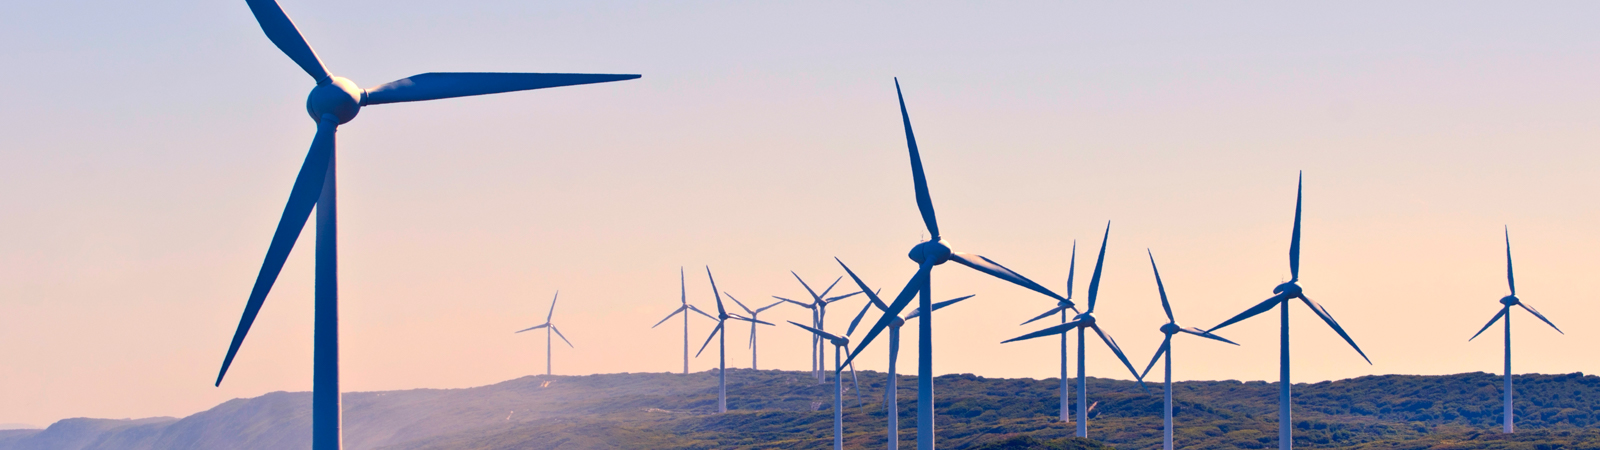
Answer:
[(787, 410)]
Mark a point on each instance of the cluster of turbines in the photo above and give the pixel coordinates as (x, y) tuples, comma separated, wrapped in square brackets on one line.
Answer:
[(336, 100)]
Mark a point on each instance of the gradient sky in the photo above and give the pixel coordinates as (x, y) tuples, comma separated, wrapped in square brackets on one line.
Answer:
[(150, 146)]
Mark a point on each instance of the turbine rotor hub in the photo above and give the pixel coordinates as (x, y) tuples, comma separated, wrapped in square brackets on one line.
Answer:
[(1510, 300), (339, 97), (936, 251), (1170, 328), (1085, 319), (1291, 288)]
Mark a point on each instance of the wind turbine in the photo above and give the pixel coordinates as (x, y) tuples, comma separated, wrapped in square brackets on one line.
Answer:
[(1062, 307), (685, 309), (549, 326), (1170, 329), (929, 253), (1087, 321), (1283, 293), (839, 344), (333, 102), (722, 344), (891, 389), (1505, 311), (753, 315), (819, 312)]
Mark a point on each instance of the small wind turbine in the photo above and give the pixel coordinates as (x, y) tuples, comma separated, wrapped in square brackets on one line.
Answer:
[(891, 398), (753, 315), (929, 253), (1062, 307), (1505, 311), (1083, 322), (548, 327), (819, 312), (840, 344), (722, 344), (333, 102), (683, 293), (1285, 292), (1169, 329)]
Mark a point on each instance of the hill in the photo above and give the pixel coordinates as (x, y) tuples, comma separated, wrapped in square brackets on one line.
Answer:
[(785, 410)]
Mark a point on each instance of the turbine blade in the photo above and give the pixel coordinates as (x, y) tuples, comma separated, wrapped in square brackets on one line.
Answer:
[(737, 302), (1294, 241), (747, 319), (1165, 345), (1323, 313), (1262, 307), (703, 313), (1535, 312), (1161, 287), (918, 179), (1049, 313), (830, 287), (1057, 329), (302, 198), (1094, 281), (1510, 279), (990, 267), (1118, 351), (941, 305), (546, 324), (856, 382), (714, 332), (814, 297), (764, 308), (683, 288), (1496, 318), (913, 286), (842, 297), (442, 85), (675, 312), (1072, 267), (871, 294), (1206, 334), (281, 31), (721, 312), (553, 307), (857, 320), (563, 337), (825, 335), (752, 343)]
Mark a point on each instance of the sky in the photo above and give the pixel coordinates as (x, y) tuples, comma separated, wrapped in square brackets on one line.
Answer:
[(149, 148)]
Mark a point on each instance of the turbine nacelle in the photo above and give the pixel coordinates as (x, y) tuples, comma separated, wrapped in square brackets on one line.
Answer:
[(1291, 288), (1171, 328), (339, 97), (936, 251), (1510, 300), (1084, 320)]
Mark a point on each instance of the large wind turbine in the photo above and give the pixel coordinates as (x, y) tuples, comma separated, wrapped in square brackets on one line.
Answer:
[(1283, 293), (1062, 307), (1169, 329), (1505, 311), (683, 299), (891, 396), (929, 253), (754, 314), (1082, 322), (819, 312), (333, 102), (722, 344), (840, 343), (549, 326)]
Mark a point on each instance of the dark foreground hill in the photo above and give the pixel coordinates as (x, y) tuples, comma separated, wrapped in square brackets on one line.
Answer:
[(787, 410)]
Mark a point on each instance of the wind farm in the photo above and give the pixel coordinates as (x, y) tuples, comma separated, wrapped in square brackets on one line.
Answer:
[(146, 147)]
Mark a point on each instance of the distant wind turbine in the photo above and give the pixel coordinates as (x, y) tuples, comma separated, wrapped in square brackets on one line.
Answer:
[(685, 309), (1062, 307), (1285, 292), (840, 344), (549, 326), (333, 102), (1087, 321), (819, 313), (753, 315), (929, 253), (891, 398), (722, 344), (1505, 311), (1169, 329)]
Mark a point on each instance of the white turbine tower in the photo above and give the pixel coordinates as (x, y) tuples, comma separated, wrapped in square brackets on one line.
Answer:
[(929, 253), (1505, 311), (549, 326), (685, 308), (840, 344), (1169, 329), (819, 314), (891, 399), (754, 314), (1283, 293), (722, 344), (1062, 307), (1082, 322)]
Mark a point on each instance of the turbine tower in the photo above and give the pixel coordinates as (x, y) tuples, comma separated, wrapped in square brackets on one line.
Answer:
[(1082, 322), (333, 102), (1505, 311), (1169, 329), (753, 315), (819, 312), (685, 308), (891, 398), (840, 343), (549, 326), (722, 344), (1062, 307), (1283, 293), (929, 253)]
